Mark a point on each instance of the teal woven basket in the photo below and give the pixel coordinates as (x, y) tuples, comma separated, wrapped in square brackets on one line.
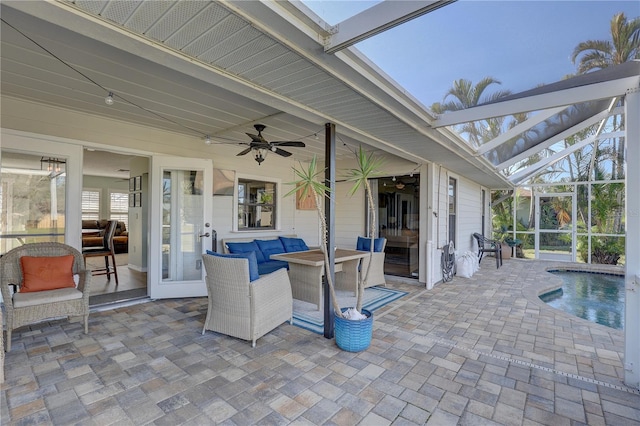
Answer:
[(354, 336)]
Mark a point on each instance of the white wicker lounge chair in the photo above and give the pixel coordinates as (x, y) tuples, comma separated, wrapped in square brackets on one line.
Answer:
[(29, 308), (244, 309)]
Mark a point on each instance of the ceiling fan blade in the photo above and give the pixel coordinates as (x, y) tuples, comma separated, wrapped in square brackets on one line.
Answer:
[(283, 152), (289, 143), (243, 152), (256, 138)]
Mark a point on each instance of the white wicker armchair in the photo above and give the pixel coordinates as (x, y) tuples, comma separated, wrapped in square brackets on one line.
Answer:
[(28, 308), (244, 309)]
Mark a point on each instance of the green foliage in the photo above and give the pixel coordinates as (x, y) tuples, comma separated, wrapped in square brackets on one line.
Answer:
[(368, 167), (604, 250), (310, 181)]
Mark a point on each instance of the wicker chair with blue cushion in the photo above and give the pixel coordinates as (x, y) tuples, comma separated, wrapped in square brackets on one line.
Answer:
[(376, 274), (239, 306)]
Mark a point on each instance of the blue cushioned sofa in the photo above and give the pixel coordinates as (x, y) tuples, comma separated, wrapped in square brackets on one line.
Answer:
[(263, 248)]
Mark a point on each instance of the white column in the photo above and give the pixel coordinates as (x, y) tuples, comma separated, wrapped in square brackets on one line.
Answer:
[(632, 275)]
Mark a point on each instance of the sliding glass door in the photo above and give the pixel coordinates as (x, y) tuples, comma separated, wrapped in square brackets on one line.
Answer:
[(398, 220)]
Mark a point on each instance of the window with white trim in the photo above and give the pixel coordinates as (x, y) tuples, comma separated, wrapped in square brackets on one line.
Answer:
[(453, 208), (90, 204), (256, 204), (119, 206)]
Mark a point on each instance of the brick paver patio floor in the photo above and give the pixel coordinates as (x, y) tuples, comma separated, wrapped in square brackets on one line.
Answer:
[(477, 351)]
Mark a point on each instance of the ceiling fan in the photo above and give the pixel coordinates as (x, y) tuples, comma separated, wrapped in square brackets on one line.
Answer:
[(262, 147)]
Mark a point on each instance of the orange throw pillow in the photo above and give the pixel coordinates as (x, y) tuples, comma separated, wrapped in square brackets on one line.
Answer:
[(46, 273)]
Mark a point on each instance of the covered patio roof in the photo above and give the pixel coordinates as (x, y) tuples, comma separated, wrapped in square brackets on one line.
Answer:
[(217, 68)]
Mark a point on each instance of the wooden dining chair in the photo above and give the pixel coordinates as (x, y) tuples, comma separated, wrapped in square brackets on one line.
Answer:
[(107, 251)]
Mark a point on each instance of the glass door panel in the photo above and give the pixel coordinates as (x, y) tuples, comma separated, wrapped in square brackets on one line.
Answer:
[(183, 197), (398, 201), (32, 199), (555, 233)]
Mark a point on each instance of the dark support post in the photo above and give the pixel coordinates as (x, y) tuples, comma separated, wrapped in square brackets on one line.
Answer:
[(330, 217)]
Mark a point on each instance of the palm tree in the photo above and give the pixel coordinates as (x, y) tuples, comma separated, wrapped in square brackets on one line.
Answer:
[(599, 54), (466, 95), (623, 47)]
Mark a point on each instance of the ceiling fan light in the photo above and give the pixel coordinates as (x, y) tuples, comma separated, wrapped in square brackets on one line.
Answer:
[(261, 154)]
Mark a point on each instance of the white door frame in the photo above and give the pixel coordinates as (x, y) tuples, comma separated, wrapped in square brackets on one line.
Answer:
[(573, 231), (175, 289)]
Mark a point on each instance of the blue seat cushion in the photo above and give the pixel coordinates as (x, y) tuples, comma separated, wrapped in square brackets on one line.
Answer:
[(271, 266), (269, 247), (254, 272), (247, 247), (364, 244), (293, 244)]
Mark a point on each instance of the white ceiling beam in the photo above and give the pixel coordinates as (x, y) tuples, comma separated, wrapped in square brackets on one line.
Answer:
[(520, 128), (377, 19), (516, 178), (606, 89), (557, 138)]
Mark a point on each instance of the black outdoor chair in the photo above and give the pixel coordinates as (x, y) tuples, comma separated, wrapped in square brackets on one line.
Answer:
[(487, 245)]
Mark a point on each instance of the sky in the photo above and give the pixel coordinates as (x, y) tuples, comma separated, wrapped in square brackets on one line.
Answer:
[(520, 43)]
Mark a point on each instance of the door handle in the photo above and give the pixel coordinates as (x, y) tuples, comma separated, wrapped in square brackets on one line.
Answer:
[(204, 235)]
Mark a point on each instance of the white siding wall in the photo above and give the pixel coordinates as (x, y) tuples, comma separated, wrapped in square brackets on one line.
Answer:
[(350, 215), (468, 219), (469, 214)]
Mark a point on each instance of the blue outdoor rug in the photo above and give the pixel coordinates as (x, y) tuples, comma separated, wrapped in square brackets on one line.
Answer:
[(307, 316)]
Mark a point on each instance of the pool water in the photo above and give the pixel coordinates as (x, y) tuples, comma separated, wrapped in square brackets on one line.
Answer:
[(595, 297)]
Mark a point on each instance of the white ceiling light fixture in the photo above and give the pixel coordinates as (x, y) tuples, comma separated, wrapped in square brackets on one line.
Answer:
[(109, 99), (207, 140)]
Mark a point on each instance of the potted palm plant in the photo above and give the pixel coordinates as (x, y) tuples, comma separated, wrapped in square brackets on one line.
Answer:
[(353, 327), (310, 182), (367, 167)]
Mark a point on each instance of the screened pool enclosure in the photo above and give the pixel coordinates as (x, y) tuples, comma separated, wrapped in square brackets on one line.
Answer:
[(563, 146)]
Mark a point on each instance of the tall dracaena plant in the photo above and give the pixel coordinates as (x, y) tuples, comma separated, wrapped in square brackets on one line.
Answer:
[(367, 167), (310, 181)]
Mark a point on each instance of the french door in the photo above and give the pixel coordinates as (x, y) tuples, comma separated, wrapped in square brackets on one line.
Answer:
[(40, 185), (555, 237), (180, 230)]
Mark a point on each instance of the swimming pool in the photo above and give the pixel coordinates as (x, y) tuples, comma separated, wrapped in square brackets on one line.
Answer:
[(595, 297)]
